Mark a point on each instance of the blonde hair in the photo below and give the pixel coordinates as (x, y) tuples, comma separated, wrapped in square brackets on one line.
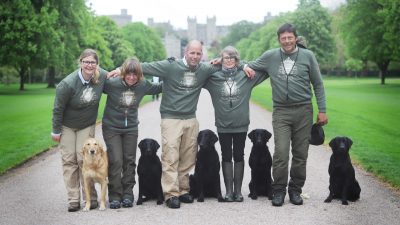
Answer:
[(132, 65), (90, 52), (232, 52)]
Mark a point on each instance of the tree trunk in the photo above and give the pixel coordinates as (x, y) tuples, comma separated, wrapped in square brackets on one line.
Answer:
[(51, 74), (383, 66), (22, 74)]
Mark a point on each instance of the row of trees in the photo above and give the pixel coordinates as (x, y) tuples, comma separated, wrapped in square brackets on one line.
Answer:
[(50, 35), (353, 36)]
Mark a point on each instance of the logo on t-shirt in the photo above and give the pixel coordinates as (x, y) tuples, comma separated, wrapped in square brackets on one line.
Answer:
[(230, 91), (288, 68), (128, 98), (88, 96), (189, 80)]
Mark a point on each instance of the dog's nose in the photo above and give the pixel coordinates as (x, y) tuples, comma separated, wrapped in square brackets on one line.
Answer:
[(92, 151), (342, 145)]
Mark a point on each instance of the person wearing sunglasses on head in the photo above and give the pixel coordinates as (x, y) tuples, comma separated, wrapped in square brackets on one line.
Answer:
[(230, 91)]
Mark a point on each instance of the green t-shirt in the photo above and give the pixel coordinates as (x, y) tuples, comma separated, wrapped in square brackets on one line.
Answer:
[(291, 76), (230, 93), (181, 86)]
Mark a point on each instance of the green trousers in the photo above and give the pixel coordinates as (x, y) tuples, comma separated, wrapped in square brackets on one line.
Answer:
[(292, 130), (121, 151)]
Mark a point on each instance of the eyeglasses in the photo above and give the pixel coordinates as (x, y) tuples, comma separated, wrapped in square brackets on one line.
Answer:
[(229, 58), (87, 63)]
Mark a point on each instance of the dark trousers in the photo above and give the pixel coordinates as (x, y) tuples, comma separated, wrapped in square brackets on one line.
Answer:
[(292, 131), (232, 143), (121, 151)]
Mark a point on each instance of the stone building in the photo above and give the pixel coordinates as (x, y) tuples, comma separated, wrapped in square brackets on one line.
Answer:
[(122, 19)]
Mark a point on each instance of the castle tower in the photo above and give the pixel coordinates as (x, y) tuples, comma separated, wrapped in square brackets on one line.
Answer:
[(211, 29), (192, 28)]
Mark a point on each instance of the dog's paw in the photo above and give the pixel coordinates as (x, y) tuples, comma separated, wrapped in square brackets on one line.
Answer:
[(86, 209), (345, 202), (139, 202), (102, 208), (328, 200), (200, 200), (159, 202)]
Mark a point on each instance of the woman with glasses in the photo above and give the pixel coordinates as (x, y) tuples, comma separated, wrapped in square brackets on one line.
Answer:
[(74, 117), (230, 91), (120, 129)]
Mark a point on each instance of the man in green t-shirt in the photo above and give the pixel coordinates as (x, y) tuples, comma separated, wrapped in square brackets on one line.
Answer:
[(182, 83)]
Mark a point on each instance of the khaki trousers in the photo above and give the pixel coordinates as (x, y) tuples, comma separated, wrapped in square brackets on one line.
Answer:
[(292, 126), (70, 147), (179, 149)]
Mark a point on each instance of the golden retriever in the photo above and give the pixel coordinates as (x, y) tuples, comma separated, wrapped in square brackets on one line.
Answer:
[(94, 169)]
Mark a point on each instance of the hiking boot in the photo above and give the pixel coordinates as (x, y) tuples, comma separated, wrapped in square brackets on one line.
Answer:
[(115, 204), (278, 199), (173, 203), (127, 203), (186, 198), (74, 206), (295, 198)]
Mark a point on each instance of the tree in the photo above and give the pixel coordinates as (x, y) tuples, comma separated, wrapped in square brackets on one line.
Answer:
[(354, 65), (238, 31), (22, 33), (370, 33), (147, 44), (120, 48), (262, 39), (314, 23)]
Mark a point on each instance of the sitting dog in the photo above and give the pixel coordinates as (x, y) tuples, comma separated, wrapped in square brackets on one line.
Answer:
[(94, 169), (206, 180), (149, 172), (342, 181), (260, 162)]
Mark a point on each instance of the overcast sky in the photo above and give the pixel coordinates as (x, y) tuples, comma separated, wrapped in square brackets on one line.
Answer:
[(176, 12)]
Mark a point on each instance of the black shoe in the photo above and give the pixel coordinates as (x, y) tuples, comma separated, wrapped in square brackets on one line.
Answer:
[(186, 198), (127, 203), (295, 198), (115, 204), (74, 206), (278, 199), (173, 203), (94, 205)]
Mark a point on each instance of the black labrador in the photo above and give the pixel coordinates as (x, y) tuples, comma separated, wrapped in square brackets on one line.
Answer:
[(149, 172), (342, 181), (206, 179), (260, 162)]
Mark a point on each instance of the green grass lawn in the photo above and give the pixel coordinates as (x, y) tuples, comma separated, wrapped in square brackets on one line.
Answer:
[(25, 122), (365, 111)]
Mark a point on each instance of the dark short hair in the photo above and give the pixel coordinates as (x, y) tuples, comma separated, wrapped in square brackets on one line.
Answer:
[(287, 27)]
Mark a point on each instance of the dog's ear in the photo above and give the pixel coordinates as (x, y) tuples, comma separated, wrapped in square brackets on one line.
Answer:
[(141, 143), (101, 149), (214, 138), (251, 135), (333, 143), (269, 135), (155, 145), (349, 142), (83, 152)]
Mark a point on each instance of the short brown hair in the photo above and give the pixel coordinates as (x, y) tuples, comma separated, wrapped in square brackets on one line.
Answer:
[(232, 52), (132, 65)]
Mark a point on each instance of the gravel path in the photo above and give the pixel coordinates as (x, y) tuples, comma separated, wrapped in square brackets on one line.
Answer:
[(34, 193)]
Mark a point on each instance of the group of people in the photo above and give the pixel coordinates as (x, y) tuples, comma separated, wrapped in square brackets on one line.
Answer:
[(292, 71)]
